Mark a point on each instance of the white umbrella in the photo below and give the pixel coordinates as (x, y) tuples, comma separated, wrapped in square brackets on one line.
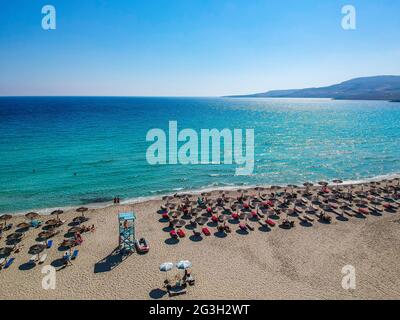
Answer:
[(184, 264), (165, 267)]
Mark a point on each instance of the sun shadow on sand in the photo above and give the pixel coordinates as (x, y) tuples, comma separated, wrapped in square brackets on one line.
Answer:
[(27, 266), (113, 260), (242, 232), (305, 224), (220, 234), (196, 238), (58, 263), (171, 241), (167, 229), (157, 293), (264, 229), (342, 218)]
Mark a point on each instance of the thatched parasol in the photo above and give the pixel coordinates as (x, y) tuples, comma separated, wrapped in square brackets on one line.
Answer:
[(6, 251), (14, 236), (82, 210), (32, 215), (57, 212), (5, 217), (23, 225), (37, 248)]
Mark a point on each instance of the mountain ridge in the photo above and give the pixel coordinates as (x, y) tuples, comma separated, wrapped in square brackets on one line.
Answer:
[(386, 87)]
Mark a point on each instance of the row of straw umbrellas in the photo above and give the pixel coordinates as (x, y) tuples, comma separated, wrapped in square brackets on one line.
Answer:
[(340, 196), (50, 231)]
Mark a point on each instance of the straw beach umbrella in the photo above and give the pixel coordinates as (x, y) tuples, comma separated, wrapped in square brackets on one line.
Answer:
[(57, 212), (82, 210), (75, 230), (5, 217), (37, 248), (32, 215), (23, 226), (14, 236), (6, 251)]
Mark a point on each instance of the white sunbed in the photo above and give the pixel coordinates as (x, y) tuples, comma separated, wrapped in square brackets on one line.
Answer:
[(42, 258), (2, 262), (33, 259)]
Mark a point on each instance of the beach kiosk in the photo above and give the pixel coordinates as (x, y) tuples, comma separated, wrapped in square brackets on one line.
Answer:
[(127, 231)]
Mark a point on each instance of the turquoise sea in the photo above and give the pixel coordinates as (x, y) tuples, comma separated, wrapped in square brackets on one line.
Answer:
[(69, 151)]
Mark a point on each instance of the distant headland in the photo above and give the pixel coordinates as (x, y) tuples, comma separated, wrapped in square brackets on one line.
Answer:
[(367, 88)]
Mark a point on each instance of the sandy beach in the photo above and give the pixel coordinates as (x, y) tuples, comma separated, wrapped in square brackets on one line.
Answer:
[(304, 262)]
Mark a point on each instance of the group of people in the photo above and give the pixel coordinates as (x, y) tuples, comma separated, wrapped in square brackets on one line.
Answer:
[(117, 200), (187, 279)]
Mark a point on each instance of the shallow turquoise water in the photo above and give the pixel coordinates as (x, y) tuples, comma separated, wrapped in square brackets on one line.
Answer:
[(44, 142)]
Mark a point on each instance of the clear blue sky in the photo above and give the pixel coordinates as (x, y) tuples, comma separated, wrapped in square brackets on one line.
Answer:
[(192, 47)]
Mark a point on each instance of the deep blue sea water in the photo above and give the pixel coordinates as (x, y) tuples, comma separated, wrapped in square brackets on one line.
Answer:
[(57, 152)]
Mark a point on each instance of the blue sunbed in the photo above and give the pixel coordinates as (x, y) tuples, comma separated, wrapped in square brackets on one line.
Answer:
[(9, 262), (49, 244), (75, 254)]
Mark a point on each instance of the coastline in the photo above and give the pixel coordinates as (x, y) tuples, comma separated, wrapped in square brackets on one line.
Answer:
[(141, 199)]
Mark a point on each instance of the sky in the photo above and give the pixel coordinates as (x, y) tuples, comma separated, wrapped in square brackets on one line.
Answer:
[(192, 47)]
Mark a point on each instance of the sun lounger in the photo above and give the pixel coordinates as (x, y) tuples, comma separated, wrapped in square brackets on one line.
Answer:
[(173, 234), (9, 263), (49, 244), (302, 219), (2, 262), (309, 218), (235, 216), (75, 254), (176, 291), (214, 218), (242, 227), (287, 224), (270, 222), (206, 231), (196, 233), (227, 229), (262, 224), (165, 216), (249, 227), (254, 214), (181, 233), (260, 215), (42, 259), (33, 259), (364, 211)]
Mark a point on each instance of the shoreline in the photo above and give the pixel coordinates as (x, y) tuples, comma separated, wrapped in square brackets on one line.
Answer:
[(158, 197)]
